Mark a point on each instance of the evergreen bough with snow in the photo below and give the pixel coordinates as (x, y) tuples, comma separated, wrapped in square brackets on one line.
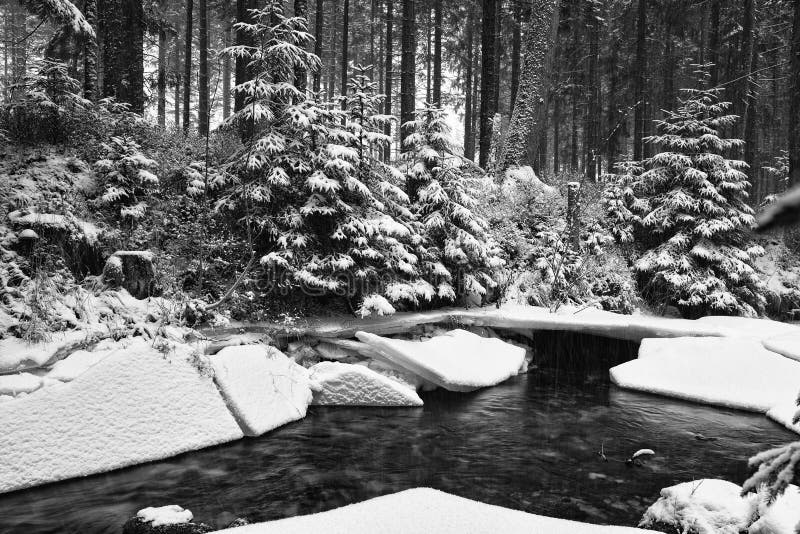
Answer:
[(324, 215), (687, 207), (459, 257)]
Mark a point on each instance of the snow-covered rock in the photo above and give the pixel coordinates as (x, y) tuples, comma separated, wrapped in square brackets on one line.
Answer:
[(263, 388), (458, 361), (786, 344), (19, 383), (357, 385), (780, 517), (706, 506), (732, 372), (165, 515), (424, 511), (134, 406)]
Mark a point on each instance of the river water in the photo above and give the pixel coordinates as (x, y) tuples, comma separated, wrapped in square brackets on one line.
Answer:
[(530, 443)]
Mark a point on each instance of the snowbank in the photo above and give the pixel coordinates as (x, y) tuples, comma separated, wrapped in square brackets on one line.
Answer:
[(425, 511), (706, 506), (787, 344), (749, 327), (134, 406), (356, 385), (76, 364), (19, 383), (458, 361), (17, 354), (781, 517), (263, 388), (733, 372), (784, 413)]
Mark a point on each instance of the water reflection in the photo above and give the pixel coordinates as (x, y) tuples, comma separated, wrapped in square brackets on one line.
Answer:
[(531, 443)]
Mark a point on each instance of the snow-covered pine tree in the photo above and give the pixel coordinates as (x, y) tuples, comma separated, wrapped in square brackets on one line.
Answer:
[(686, 206), (458, 256), (388, 232), (307, 185)]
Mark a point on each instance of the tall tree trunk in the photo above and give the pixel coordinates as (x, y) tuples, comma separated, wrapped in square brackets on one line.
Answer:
[(187, 67), (300, 74), (794, 102), (408, 69), (387, 90), (556, 132), (527, 119), (437, 53), (242, 38), (488, 106), (345, 48), (469, 81), (745, 59), (713, 43), (226, 66), (131, 84), (332, 52), (498, 48), (593, 113), (751, 133), (178, 81), (319, 27), (516, 46), (203, 112), (162, 77), (573, 154), (428, 52), (90, 52), (614, 117), (640, 81)]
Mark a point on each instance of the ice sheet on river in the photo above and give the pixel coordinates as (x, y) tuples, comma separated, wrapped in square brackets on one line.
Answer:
[(345, 384), (424, 511), (732, 372), (262, 387), (134, 406), (458, 360)]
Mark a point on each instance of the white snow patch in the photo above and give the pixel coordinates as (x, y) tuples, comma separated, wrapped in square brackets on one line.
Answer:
[(749, 327), (424, 511), (263, 388), (787, 344), (165, 515), (732, 372), (76, 364), (136, 405), (784, 413), (458, 361), (357, 385), (17, 354), (781, 517), (706, 506), (19, 383)]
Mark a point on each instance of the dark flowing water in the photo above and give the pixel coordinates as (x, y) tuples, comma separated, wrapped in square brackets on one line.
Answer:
[(530, 443)]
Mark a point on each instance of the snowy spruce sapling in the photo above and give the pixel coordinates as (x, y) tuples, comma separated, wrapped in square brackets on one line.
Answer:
[(458, 255), (686, 208), (325, 213)]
